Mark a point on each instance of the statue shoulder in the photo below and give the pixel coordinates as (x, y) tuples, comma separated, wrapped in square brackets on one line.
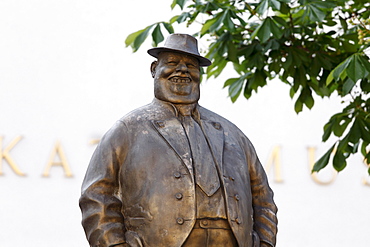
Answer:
[(139, 114), (227, 125), (214, 117)]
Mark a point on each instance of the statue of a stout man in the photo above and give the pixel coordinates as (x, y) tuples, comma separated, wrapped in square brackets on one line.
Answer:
[(173, 173)]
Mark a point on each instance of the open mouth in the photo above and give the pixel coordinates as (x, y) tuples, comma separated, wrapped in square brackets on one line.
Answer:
[(178, 79)]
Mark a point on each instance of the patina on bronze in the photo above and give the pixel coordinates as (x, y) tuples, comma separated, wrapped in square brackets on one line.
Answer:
[(173, 173)]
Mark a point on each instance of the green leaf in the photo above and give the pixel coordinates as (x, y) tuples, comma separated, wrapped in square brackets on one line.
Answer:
[(326, 6), (232, 52), (274, 4), (218, 69), (365, 134), (323, 161), (157, 35), (347, 86), (280, 20), (174, 19), (355, 69), (340, 125), (292, 92), (314, 13), (263, 31), (229, 23), (309, 101), (136, 39), (364, 148), (168, 27), (181, 3), (213, 24), (328, 129), (181, 18), (262, 7), (298, 106), (365, 86), (284, 9), (340, 70), (207, 25), (365, 62), (131, 38), (355, 132), (330, 78), (173, 4), (230, 81), (235, 89), (344, 24), (141, 38), (276, 30), (339, 161)]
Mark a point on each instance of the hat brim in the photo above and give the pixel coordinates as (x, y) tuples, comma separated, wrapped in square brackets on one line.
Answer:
[(203, 62)]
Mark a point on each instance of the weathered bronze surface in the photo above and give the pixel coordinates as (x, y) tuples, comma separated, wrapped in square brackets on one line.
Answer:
[(173, 173)]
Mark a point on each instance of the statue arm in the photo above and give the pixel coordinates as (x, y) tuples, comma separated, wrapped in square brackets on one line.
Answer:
[(100, 204), (265, 220)]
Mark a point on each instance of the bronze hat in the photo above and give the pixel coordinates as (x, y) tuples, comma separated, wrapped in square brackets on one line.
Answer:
[(182, 43)]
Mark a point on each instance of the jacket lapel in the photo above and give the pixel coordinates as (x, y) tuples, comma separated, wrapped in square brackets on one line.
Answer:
[(214, 134), (174, 134)]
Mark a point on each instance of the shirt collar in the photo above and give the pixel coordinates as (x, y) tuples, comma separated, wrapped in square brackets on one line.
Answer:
[(181, 109)]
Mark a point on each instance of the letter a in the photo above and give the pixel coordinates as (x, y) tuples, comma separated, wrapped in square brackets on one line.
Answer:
[(63, 161), (4, 154)]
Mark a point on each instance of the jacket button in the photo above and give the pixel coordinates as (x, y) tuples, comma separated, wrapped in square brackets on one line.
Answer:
[(180, 221), (178, 196), (217, 126), (177, 175), (160, 124), (237, 197), (204, 222), (238, 221)]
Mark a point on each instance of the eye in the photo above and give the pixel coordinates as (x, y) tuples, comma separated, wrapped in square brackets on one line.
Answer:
[(171, 63), (190, 65)]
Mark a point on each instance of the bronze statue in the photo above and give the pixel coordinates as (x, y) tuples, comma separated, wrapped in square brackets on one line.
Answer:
[(173, 173)]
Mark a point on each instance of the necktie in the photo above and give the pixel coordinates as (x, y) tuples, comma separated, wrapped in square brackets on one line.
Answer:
[(205, 171)]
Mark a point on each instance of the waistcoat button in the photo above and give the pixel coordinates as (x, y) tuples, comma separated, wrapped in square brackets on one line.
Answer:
[(237, 197), (177, 175), (180, 221), (178, 196)]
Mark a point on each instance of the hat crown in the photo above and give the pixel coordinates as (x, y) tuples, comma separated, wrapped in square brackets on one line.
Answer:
[(182, 43)]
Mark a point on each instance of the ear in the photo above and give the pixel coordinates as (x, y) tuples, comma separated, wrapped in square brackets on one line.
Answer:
[(153, 66)]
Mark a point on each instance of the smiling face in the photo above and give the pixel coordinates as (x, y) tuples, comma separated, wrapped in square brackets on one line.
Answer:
[(176, 78)]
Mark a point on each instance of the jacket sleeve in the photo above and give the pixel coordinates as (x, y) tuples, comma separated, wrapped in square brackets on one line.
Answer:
[(99, 202), (264, 208)]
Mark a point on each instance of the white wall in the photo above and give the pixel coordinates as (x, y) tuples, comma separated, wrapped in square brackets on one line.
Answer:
[(66, 75)]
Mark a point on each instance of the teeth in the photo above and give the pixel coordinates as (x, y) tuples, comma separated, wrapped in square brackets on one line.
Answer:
[(180, 80)]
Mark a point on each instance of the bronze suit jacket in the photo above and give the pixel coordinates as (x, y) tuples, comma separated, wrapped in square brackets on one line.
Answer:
[(142, 165)]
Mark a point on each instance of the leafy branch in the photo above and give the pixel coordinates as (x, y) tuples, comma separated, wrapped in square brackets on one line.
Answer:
[(316, 47)]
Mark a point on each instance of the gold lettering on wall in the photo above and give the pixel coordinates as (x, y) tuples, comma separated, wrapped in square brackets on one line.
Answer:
[(275, 160), (4, 154), (62, 161), (311, 163), (365, 180), (94, 141)]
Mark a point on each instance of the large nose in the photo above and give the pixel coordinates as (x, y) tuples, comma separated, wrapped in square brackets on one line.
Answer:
[(182, 67)]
